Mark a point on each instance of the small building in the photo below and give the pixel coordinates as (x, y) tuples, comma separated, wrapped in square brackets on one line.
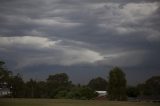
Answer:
[(4, 90), (102, 95)]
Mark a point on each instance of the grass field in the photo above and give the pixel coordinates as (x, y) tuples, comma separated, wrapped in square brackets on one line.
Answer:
[(55, 102)]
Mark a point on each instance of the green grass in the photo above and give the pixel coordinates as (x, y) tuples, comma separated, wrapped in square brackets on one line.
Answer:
[(55, 102)]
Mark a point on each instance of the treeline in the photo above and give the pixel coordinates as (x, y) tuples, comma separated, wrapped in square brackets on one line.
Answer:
[(56, 86), (59, 86)]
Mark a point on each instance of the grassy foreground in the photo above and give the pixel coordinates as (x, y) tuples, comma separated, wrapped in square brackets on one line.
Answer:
[(55, 102)]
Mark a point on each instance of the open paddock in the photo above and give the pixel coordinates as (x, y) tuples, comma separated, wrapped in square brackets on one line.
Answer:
[(63, 102)]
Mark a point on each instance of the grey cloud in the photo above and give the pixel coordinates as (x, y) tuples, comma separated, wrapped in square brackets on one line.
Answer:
[(41, 50)]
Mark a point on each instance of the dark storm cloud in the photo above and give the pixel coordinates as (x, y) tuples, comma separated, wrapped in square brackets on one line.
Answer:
[(124, 33)]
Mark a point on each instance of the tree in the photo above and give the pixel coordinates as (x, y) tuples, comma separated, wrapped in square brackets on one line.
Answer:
[(152, 86), (87, 93), (117, 85), (18, 86), (56, 83), (150, 89), (132, 91), (30, 88), (58, 79), (81, 92), (41, 90), (98, 84), (5, 75)]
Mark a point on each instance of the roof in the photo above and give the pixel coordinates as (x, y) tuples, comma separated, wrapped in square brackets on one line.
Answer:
[(101, 92)]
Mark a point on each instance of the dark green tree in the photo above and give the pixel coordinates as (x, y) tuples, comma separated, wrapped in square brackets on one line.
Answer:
[(87, 93), (152, 86), (41, 90), (117, 85), (57, 83), (18, 86), (81, 92), (150, 89), (30, 88), (132, 91), (98, 84), (5, 75)]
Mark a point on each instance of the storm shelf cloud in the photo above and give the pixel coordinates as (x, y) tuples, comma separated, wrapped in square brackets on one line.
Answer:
[(81, 33)]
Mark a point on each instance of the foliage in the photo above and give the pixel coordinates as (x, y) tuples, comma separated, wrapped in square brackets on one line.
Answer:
[(62, 94), (132, 91), (151, 87), (56, 83), (117, 84), (98, 84), (86, 93), (18, 86), (81, 92), (33, 89), (4, 73)]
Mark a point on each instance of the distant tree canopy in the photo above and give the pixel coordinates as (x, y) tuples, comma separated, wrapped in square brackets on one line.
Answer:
[(151, 87), (98, 84), (58, 79), (58, 82), (18, 86), (117, 85), (4, 73), (81, 92)]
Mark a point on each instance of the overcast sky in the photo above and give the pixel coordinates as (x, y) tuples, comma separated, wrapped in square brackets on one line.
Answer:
[(83, 38)]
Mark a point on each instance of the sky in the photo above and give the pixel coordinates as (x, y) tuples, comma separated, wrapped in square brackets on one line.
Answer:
[(83, 38)]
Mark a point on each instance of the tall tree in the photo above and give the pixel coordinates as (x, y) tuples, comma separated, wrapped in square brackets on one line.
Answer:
[(30, 88), (18, 86), (5, 75), (152, 86), (41, 90), (150, 89), (98, 84), (117, 85), (56, 83)]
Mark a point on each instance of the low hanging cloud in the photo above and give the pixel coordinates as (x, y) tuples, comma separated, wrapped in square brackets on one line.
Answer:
[(125, 59), (45, 51), (30, 41)]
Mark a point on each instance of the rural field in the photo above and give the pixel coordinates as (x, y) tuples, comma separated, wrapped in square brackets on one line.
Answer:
[(61, 102)]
